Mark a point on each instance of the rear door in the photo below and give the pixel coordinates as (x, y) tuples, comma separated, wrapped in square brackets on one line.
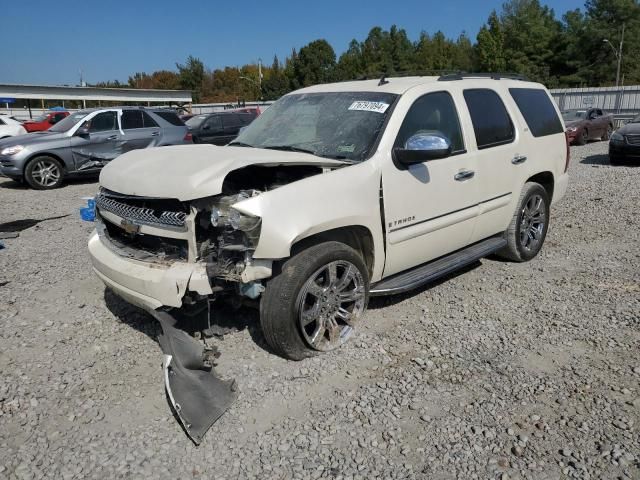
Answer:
[(231, 124), (499, 158), (140, 130), (103, 144)]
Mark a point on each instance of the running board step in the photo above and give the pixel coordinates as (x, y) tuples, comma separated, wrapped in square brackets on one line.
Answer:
[(428, 272)]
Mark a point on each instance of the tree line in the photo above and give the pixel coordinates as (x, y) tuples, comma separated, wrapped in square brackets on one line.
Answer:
[(524, 37)]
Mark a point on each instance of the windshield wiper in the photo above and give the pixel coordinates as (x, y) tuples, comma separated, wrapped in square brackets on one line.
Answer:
[(291, 148), (240, 144)]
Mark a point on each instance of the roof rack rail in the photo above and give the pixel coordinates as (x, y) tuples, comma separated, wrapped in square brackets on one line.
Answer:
[(493, 76), (403, 73)]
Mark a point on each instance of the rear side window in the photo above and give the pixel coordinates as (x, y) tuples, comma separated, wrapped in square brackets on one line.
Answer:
[(537, 110), (148, 121), (170, 117), (491, 122), (246, 118), (231, 120), (131, 119)]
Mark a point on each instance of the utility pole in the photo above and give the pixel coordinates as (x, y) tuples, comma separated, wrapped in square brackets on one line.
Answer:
[(620, 57), (618, 54)]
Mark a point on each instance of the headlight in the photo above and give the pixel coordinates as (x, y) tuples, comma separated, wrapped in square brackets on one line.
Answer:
[(572, 129), (224, 215), (617, 137), (12, 150)]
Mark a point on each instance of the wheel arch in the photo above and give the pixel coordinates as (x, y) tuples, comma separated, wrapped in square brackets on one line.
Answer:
[(357, 237), (45, 154), (545, 179)]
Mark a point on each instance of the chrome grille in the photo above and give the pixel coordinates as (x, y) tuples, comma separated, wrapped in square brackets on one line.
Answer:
[(633, 139), (147, 216)]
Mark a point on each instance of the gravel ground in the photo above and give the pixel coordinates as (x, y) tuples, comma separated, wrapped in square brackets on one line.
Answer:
[(504, 371)]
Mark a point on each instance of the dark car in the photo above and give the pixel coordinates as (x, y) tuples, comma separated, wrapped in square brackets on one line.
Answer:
[(218, 128), (585, 125), (85, 141), (625, 142)]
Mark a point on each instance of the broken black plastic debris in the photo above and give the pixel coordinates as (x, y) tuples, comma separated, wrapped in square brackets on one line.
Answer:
[(196, 394)]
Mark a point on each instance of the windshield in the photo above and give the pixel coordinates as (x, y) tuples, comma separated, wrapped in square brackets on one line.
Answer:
[(194, 122), (575, 115), (341, 125), (68, 123)]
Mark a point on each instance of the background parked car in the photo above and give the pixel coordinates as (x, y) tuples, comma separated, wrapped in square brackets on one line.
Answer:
[(86, 141), (585, 125), (218, 128), (45, 121), (625, 142), (10, 127)]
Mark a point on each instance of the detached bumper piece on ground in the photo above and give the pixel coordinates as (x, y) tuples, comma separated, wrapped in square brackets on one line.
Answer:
[(197, 395)]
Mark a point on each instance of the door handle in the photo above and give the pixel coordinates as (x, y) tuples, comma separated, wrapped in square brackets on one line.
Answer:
[(155, 134), (463, 175), (112, 137), (518, 159)]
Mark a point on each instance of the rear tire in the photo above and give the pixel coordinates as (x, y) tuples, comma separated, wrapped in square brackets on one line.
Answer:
[(44, 173), (583, 138), (528, 228), (315, 301)]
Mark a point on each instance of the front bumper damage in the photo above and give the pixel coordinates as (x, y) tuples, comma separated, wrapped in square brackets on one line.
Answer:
[(197, 395)]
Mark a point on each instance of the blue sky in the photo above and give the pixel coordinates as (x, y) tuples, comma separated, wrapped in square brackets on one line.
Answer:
[(49, 42)]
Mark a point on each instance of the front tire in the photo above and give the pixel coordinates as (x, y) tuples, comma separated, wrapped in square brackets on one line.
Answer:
[(316, 301), (608, 132), (44, 173), (528, 228)]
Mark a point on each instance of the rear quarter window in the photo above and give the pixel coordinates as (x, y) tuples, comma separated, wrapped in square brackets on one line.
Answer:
[(537, 110), (170, 117)]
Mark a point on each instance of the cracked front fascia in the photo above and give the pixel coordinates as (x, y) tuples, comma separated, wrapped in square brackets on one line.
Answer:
[(344, 197)]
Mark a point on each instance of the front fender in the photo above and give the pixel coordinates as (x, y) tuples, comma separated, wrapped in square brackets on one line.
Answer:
[(347, 196)]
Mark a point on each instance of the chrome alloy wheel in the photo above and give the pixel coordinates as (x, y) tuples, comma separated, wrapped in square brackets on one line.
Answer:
[(532, 223), (330, 304), (46, 173)]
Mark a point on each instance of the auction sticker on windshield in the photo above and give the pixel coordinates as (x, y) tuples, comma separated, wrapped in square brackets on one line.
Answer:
[(364, 106)]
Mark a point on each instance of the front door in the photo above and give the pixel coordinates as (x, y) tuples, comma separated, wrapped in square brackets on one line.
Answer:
[(211, 131), (101, 145), (429, 208)]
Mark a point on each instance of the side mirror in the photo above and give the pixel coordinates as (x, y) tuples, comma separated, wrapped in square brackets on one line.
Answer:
[(206, 127), (83, 132), (422, 147)]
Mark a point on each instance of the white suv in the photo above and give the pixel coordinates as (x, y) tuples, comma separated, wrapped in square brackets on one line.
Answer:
[(334, 194)]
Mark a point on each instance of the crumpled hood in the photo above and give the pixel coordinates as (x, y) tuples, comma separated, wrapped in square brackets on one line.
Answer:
[(187, 172)]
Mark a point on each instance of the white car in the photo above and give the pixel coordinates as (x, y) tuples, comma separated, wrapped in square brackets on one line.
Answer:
[(336, 193), (10, 127)]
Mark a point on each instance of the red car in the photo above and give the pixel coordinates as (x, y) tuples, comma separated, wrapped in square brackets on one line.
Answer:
[(44, 122), (585, 125)]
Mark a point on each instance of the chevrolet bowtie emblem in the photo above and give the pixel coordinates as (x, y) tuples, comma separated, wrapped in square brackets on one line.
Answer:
[(129, 226)]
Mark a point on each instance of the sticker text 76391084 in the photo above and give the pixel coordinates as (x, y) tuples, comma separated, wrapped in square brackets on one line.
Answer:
[(365, 106)]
